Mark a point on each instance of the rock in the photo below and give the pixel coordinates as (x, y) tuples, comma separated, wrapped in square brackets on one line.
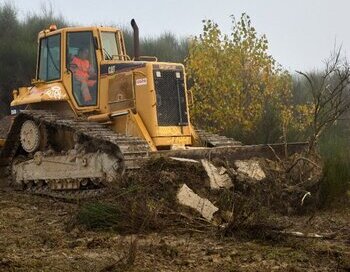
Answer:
[(218, 176), (251, 168), (190, 199)]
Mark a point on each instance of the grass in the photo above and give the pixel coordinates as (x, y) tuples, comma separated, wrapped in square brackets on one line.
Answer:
[(98, 216), (334, 148)]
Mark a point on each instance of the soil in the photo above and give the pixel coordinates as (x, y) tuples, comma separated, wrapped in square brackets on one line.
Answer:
[(36, 234), (5, 124), (142, 228)]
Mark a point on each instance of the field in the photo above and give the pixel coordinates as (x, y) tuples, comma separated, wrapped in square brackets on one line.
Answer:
[(42, 234)]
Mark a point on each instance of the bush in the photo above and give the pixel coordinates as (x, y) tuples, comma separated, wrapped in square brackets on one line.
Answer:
[(98, 215)]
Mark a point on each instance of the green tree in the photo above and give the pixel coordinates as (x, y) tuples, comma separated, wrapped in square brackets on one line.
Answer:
[(166, 47), (8, 48), (18, 48), (237, 85)]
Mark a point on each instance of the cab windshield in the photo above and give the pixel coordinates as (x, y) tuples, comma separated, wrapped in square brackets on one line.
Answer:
[(110, 46), (50, 58)]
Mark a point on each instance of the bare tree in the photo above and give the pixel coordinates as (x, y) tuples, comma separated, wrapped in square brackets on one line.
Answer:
[(330, 91)]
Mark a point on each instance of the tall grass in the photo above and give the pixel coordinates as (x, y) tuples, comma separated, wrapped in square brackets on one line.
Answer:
[(334, 149), (98, 216)]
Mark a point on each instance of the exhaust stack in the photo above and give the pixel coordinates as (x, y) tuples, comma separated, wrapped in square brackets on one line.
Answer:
[(136, 40)]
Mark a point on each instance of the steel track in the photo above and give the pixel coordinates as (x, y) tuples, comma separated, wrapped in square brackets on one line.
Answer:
[(131, 151)]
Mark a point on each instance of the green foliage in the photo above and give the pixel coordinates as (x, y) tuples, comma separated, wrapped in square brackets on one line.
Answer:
[(166, 47), (98, 216), (8, 48), (334, 148), (18, 48), (238, 87)]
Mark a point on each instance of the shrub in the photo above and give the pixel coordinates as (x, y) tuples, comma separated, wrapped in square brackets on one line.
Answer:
[(97, 215)]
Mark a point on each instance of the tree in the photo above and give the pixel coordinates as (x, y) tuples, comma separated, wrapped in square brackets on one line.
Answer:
[(18, 44), (330, 92), (237, 85), (166, 47), (8, 47)]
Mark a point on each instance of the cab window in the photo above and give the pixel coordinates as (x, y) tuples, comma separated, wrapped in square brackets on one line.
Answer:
[(109, 45), (50, 58), (81, 61)]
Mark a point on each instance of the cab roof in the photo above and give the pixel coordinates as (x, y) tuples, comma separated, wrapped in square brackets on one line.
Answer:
[(48, 32)]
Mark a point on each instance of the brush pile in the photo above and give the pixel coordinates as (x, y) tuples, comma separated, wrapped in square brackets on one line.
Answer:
[(205, 195)]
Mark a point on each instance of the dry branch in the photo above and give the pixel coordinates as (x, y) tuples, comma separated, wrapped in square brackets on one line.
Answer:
[(330, 94)]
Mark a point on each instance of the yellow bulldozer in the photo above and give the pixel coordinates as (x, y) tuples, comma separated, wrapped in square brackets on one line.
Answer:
[(93, 113)]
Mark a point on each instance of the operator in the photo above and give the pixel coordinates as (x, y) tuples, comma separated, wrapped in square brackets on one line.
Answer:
[(83, 71)]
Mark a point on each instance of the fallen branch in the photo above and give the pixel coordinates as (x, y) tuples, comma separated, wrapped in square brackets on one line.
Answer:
[(305, 196), (308, 235), (303, 159), (183, 159), (274, 152)]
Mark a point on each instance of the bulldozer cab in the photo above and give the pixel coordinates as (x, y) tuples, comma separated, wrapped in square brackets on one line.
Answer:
[(72, 55)]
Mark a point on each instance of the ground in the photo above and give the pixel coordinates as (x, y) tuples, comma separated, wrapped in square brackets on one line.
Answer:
[(36, 234)]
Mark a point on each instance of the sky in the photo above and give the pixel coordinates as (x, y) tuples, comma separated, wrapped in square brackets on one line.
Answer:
[(301, 33)]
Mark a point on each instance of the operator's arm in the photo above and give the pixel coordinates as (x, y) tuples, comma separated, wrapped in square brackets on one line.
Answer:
[(92, 72), (73, 65)]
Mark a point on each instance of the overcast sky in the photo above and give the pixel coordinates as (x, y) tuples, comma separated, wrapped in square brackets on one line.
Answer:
[(301, 33)]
